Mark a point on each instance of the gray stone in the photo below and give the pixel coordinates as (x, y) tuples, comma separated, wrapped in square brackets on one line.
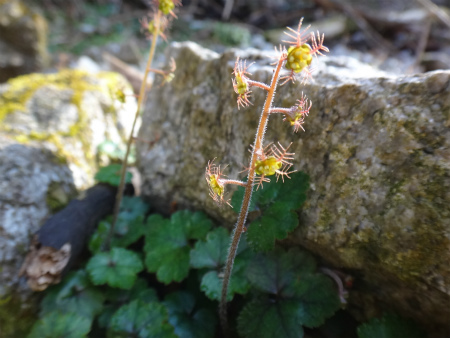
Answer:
[(377, 149), (50, 128)]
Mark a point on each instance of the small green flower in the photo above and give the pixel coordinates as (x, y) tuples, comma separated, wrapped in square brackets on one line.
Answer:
[(298, 58), (214, 177), (166, 6), (268, 166)]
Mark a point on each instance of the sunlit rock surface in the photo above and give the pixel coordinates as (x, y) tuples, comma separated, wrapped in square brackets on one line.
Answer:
[(50, 128), (377, 149)]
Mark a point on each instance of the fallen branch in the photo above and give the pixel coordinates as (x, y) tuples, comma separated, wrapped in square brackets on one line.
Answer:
[(59, 242)]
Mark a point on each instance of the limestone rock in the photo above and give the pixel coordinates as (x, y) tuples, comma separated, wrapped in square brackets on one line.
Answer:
[(50, 128), (23, 40), (377, 149)]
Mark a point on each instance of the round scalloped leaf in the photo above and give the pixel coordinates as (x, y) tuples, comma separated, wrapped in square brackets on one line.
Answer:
[(75, 294), (129, 228), (129, 231), (167, 244), (269, 318), (276, 223), (117, 268), (274, 206), (318, 299), (213, 252), (291, 282), (187, 319), (274, 271), (57, 324), (132, 208), (211, 283), (197, 224), (111, 175), (117, 297), (141, 320)]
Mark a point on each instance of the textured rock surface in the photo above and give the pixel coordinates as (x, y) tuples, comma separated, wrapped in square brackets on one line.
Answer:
[(50, 127), (70, 113), (23, 39), (377, 149)]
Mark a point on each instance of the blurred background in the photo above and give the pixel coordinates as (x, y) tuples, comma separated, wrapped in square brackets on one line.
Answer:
[(400, 37)]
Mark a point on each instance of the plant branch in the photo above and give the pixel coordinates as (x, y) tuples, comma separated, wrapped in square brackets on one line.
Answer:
[(235, 182), (284, 111), (258, 84), (141, 100)]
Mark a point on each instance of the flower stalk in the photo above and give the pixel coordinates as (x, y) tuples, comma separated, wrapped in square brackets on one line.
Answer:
[(153, 28), (272, 159)]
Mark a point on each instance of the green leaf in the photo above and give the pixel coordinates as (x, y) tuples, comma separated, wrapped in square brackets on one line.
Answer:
[(275, 223), (75, 294), (275, 271), (211, 283), (128, 232), (278, 202), (390, 326), (197, 224), (212, 254), (142, 320), (111, 175), (116, 297), (238, 196), (318, 299), (140, 290), (167, 243), (117, 268), (98, 238), (187, 319), (129, 228), (131, 208), (267, 318), (294, 295), (57, 324)]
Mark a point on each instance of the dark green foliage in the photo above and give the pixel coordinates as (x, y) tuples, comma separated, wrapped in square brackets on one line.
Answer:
[(98, 239), (291, 295), (167, 243), (116, 297), (212, 254), (117, 268), (75, 294), (188, 320), (56, 324), (130, 226), (142, 320), (276, 204), (111, 175), (265, 317), (287, 293), (390, 326)]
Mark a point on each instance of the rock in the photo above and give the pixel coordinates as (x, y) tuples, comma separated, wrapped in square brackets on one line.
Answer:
[(50, 128), (23, 40), (377, 149)]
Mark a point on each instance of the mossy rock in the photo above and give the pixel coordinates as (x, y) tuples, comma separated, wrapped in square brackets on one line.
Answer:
[(69, 112)]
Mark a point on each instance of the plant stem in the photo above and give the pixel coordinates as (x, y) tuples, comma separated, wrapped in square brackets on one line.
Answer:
[(239, 227), (140, 104)]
